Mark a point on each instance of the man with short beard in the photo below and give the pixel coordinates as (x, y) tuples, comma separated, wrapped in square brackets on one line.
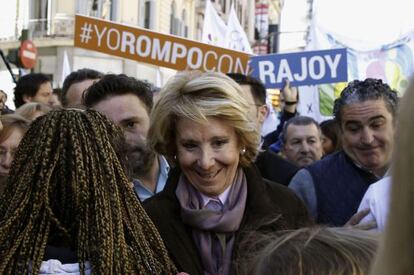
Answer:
[(128, 102)]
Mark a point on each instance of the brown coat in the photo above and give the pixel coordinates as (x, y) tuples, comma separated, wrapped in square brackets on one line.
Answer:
[(265, 200)]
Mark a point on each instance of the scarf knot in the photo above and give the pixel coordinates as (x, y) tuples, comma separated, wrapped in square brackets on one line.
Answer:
[(213, 229)]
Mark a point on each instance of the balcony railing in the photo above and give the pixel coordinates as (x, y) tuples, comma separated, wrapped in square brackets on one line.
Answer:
[(39, 28), (59, 26)]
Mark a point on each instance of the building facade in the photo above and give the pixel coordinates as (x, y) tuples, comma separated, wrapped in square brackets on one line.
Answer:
[(51, 28)]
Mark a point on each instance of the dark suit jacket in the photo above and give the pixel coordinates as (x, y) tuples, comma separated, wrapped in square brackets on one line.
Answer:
[(265, 200), (275, 168)]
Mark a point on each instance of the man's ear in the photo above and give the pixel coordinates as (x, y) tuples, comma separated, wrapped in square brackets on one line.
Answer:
[(27, 98), (263, 112)]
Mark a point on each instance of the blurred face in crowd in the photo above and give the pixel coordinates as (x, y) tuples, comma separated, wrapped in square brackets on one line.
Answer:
[(130, 113), (208, 154), (327, 145), (368, 134), (55, 101), (75, 92), (302, 144), (257, 112), (43, 95), (7, 149)]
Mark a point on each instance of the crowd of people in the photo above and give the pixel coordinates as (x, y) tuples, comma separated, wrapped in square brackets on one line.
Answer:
[(103, 177)]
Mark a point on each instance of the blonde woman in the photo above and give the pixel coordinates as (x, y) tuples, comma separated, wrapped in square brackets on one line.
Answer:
[(202, 122)]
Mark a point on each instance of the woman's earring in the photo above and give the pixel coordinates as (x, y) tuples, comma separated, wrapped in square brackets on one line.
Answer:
[(242, 151)]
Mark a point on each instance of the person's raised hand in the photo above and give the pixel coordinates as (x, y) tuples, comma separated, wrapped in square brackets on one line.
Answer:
[(290, 96)]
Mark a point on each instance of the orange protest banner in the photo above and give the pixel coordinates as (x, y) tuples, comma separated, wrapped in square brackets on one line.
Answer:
[(155, 48)]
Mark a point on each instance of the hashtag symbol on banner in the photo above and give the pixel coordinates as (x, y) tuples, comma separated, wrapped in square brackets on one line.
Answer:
[(85, 36)]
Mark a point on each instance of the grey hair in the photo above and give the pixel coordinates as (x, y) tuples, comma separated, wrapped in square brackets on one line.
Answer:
[(369, 89), (301, 121)]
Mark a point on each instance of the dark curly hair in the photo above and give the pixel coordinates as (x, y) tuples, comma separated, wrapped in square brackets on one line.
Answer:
[(114, 85), (257, 87), (369, 89), (76, 77)]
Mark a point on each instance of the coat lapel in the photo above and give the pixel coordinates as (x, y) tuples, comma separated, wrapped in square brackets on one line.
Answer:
[(177, 236)]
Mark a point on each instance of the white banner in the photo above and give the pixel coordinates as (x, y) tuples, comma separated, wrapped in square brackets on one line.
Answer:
[(65, 68), (347, 21), (393, 63), (214, 28), (236, 38)]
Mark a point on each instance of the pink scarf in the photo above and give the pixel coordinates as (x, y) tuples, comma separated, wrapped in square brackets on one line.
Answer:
[(213, 231)]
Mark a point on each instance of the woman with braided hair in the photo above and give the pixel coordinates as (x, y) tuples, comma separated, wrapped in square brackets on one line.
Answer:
[(68, 206)]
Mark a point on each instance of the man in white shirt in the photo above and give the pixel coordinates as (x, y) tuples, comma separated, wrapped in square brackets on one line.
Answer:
[(377, 200)]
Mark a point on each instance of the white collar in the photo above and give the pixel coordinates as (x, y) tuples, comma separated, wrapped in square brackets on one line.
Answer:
[(222, 197)]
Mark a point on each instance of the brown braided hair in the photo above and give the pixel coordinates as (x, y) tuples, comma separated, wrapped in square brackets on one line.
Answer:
[(67, 183)]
